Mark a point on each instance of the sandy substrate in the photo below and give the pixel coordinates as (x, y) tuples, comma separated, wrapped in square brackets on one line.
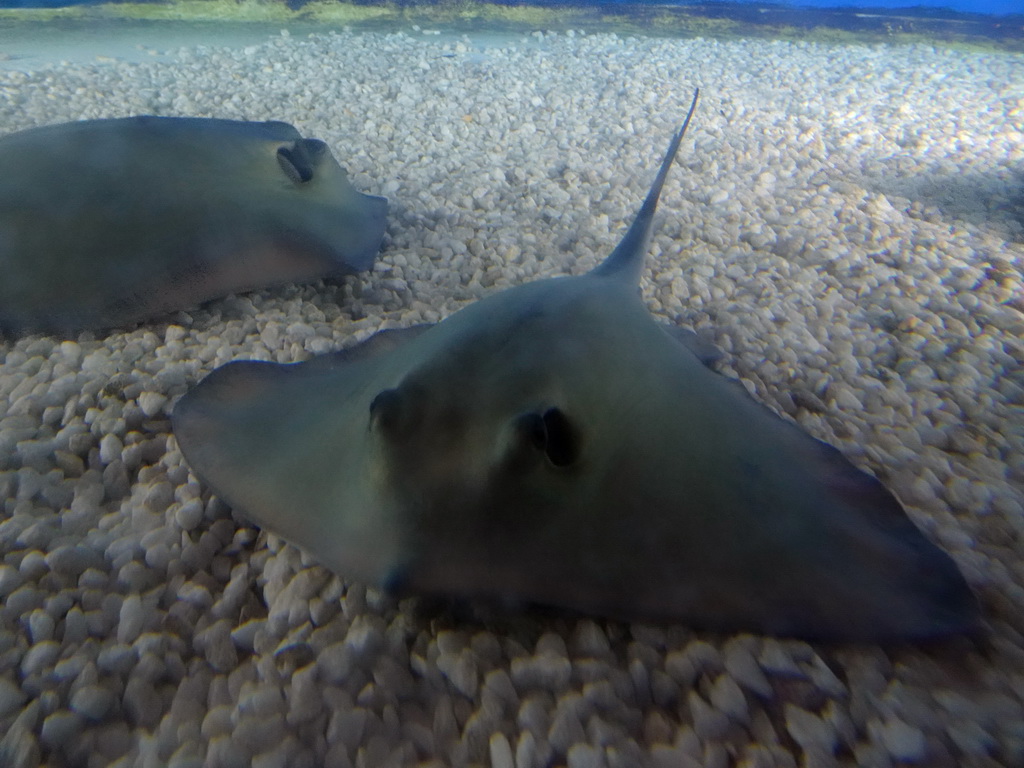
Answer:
[(843, 221)]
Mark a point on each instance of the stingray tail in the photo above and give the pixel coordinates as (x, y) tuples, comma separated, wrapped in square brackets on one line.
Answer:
[(627, 260)]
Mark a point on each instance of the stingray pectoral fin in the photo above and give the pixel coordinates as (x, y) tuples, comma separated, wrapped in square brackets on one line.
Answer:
[(285, 445), (208, 419), (922, 592), (706, 351), (377, 345), (833, 554)]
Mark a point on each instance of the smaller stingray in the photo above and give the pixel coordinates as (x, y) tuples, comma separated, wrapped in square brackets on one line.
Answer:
[(553, 444), (108, 222)]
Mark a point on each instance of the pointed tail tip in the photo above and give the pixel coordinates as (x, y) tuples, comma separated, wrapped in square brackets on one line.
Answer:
[(627, 260)]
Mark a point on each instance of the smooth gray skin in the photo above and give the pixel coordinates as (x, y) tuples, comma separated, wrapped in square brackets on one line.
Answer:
[(108, 222), (553, 444)]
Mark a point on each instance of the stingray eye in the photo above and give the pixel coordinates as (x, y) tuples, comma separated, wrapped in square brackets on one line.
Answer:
[(295, 163), (561, 442)]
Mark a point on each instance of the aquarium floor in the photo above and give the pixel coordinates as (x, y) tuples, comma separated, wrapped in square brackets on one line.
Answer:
[(844, 222)]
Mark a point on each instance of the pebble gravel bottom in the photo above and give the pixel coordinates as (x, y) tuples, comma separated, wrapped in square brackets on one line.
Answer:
[(843, 221)]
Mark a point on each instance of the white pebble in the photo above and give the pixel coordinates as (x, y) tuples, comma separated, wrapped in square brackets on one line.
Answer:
[(903, 741), (215, 642), (132, 619), (304, 700), (60, 728), (708, 723), (10, 579), (218, 722), (809, 731), (151, 403), (460, 668), (40, 657), (41, 625), (189, 514), (110, 448), (11, 697), (741, 664), (727, 697), (92, 702), (19, 748), (546, 671), (116, 658), (589, 640), (500, 751), (335, 663), (142, 702), (261, 701), (73, 560), (244, 636), (584, 755)]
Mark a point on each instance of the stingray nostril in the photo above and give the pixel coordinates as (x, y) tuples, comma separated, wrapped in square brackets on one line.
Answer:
[(550, 433), (530, 431), (561, 440), (533, 427)]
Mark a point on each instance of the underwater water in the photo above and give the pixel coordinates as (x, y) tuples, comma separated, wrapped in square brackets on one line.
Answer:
[(988, 7), (845, 223)]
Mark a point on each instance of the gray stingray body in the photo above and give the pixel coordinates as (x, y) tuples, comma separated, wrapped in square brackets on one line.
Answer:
[(554, 444), (108, 222)]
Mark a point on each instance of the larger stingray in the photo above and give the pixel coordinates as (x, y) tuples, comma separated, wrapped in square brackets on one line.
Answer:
[(107, 222), (553, 444)]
